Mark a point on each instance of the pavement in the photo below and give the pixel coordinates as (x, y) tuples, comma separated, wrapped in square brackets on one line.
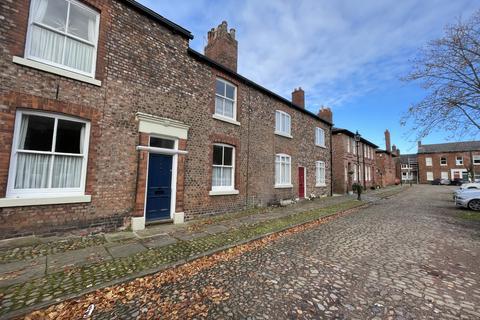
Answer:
[(410, 256), (36, 271)]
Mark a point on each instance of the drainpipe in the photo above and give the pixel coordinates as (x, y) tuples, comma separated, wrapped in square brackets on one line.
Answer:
[(331, 163), (248, 148)]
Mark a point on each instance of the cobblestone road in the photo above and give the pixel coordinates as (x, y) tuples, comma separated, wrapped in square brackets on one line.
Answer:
[(408, 257)]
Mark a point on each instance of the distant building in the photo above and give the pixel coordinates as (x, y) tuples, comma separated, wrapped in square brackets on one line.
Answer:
[(351, 163), (386, 173), (408, 165), (449, 161)]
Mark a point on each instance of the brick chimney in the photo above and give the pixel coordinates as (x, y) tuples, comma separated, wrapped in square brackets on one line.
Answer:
[(326, 114), (222, 46), (298, 97), (387, 140)]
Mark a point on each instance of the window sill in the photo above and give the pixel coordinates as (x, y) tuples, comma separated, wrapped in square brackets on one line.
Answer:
[(286, 135), (320, 185), (225, 119), (283, 186), (55, 70), (223, 192), (22, 202), (318, 145)]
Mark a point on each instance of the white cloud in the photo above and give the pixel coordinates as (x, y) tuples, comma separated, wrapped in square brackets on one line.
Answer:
[(335, 50)]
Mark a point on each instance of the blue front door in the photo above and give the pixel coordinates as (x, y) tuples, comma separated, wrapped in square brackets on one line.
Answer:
[(159, 187)]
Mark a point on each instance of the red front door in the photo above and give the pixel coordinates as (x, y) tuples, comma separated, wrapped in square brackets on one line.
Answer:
[(301, 182)]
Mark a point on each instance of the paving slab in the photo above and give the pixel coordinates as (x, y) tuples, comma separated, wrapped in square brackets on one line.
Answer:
[(76, 258), (125, 250), (119, 236), (19, 242), (21, 271), (213, 229), (159, 241), (153, 231), (186, 236)]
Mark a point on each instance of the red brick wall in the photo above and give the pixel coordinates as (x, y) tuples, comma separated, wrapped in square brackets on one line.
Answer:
[(145, 67), (386, 174), (436, 168), (343, 159)]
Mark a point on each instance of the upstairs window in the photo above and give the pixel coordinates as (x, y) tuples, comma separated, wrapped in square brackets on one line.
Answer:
[(64, 34), (225, 99), (283, 168), (49, 155), (282, 123), (428, 162), (476, 160), (443, 161), (223, 167), (459, 161), (320, 173), (320, 137)]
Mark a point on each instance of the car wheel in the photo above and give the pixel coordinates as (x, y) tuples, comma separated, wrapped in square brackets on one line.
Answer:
[(474, 205)]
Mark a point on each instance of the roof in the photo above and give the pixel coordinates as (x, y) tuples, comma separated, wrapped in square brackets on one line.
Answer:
[(155, 16), (351, 134), (197, 55), (387, 152), (405, 158), (449, 147)]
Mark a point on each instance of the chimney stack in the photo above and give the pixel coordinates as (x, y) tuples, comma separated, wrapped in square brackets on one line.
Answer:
[(387, 141), (325, 113), (222, 46), (298, 97)]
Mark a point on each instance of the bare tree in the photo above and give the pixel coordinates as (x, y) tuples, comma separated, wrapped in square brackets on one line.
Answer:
[(449, 69)]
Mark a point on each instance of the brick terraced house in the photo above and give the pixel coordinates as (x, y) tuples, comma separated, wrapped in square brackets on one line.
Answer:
[(109, 119), (387, 173), (457, 160), (352, 161)]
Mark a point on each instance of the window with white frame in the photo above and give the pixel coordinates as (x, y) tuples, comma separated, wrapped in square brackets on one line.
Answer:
[(225, 99), (355, 173), (283, 168), (444, 175), (459, 161), (428, 162), (354, 146), (476, 159), (429, 176), (49, 155), (443, 161), (320, 137), (223, 174), (320, 173), (282, 123), (64, 34), (348, 145)]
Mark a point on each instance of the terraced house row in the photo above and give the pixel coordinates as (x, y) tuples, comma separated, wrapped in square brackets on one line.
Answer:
[(108, 119)]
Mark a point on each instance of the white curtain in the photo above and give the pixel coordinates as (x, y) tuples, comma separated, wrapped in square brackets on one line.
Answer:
[(23, 131), (46, 44), (32, 171), (216, 176), (39, 8), (78, 55), (67, 172), (227, 177), (222, 177)]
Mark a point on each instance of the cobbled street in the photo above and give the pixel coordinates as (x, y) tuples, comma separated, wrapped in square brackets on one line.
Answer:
[(406, 257)]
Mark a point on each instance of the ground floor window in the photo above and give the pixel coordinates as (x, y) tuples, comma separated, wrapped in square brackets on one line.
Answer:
[(283, 168), (429, 176), (49, 155), (320, 173), (223, 167), (444, 175)]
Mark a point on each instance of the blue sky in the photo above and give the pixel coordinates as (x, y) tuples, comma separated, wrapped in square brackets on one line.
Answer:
[(345, 54)]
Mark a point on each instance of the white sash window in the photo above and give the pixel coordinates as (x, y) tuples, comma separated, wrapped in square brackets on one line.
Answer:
[(64, 34), (49, 155), (320, 173), (223, 175), (283, 169)]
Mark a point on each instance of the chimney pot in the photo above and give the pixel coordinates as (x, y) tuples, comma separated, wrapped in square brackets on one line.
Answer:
[(326, 114), (222, 46), (298, 97)]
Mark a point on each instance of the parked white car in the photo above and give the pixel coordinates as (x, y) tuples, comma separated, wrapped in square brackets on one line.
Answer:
[(470, 185), (468, 198)]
